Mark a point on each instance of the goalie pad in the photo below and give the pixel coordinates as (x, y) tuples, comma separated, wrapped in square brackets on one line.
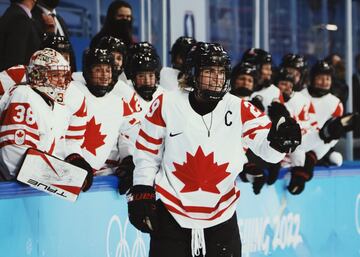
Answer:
[(51, 175)]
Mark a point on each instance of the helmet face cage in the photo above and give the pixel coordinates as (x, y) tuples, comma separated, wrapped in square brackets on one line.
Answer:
[(49, 73), (204, 56), (95, 57), (180, 48), (114, 45), (145, 62)]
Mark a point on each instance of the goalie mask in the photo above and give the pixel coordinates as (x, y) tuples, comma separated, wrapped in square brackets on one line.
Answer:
[(49, 73), (118, 49), (208, 71), (144, 71), (243, 79), (320, 79), (99, 71), (179, 51), (296, 65)]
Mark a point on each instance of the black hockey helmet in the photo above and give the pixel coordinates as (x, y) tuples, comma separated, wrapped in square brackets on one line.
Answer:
[(320, 67), (143, 62), (297, 62), (243, 68), (256, 56), (180, 48), (204, 55), (113, 44), (58, 43), (94, 57)]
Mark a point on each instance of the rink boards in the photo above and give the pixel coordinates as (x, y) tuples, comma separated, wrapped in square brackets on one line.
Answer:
[(323, 221)]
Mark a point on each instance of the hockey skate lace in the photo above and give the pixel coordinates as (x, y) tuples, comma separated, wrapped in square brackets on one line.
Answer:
[(197, 241)]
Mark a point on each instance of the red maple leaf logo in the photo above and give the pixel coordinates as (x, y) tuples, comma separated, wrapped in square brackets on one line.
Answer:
[(93, 138), (200, 172), (20, 134)]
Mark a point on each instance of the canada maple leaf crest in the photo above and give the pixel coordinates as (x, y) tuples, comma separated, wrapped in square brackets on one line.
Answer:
[(93, 138), (200, 172)]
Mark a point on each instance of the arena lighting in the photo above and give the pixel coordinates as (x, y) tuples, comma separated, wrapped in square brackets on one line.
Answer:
[(331, 27)]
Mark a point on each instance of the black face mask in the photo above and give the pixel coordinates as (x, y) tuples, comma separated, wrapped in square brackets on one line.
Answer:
[(122, 29), (146, 92), (318, 92), (52, 4), (241, 91)]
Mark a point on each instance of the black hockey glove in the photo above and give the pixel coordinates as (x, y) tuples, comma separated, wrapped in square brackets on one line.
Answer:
[(300, 175), (125, 174), (273, 173), (253, 174), (334, 128), (284, 135), (142, 208), (78, 161), (277, 110), (257, 102)]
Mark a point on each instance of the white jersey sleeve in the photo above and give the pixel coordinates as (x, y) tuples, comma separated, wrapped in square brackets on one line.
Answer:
[(256, 127), (12, 76), (18, 131), (169, 78)]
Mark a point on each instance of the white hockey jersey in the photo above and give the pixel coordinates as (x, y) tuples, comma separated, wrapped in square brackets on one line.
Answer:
[(325, 107), (28, 121), (169, 78), (107, 127), (12, 76), (194, 160), (267, 95)]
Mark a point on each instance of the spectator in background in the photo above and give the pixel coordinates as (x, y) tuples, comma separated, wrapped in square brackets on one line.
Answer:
[(19, 37), (48, 21), (339, 87), (118, 24)]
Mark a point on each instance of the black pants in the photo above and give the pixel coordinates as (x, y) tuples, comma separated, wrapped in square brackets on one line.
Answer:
[(171, 240)]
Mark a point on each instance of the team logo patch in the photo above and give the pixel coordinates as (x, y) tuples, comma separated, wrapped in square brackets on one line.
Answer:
[(19, 137)]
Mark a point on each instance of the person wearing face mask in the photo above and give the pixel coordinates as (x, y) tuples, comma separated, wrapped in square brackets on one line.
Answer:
[(48, 21), (118, 24)]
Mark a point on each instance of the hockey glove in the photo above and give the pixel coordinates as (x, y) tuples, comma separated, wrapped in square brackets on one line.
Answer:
[(78, 161), (273, 169), (334, 128), (284, 135), (125, 174), (253, 174), (142, 208), (277, 110), (257, 102), (300, 175)]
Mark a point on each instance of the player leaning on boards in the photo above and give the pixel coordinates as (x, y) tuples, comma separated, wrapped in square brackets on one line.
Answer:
[(190, 150), (33, 115)]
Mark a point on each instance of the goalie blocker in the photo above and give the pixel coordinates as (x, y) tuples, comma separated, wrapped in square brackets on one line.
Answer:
[(52, 175)]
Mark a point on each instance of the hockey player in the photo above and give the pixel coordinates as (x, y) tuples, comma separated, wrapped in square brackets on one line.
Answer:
[(169, 75), (107, 126), (327, 109), (17, 74), (186, 152), (119, 51), (32, 116), (243, 80), (297, 66)]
